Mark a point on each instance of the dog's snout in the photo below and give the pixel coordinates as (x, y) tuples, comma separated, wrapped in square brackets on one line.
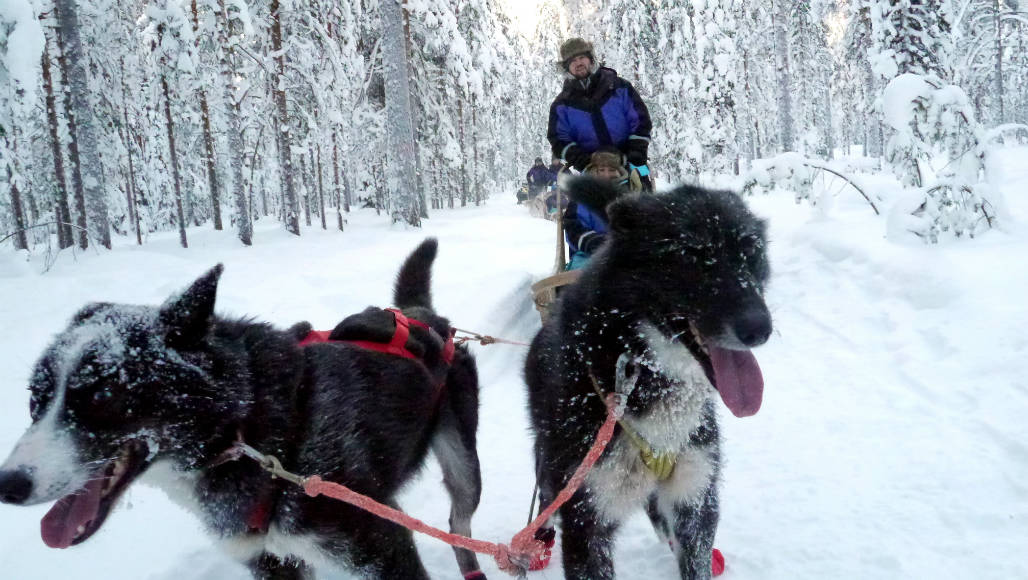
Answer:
[(15, 486), (753, 327)]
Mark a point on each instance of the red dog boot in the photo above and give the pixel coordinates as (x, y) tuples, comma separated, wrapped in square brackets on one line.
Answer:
[(547, 536), (717, 562)]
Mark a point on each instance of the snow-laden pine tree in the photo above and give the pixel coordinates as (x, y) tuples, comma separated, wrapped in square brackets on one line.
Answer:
[(935, 145), (288, 176), (171, 38), (811, 71), (404, 203), (717, 70), (676, 101), (21, 46), (205, 74), (757, 93), (910, 37), (87, 171), (233, 19), (62, 211), (987, 35), (857, 82), (540, 81), (780, 12)]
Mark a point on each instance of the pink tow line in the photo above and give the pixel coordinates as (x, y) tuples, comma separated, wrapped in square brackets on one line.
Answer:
[(523, 546)]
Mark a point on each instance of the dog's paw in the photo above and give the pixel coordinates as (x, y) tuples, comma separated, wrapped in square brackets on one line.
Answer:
[(717, 563), (548, 537)]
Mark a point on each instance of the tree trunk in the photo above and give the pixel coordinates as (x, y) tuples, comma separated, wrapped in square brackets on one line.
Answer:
[(998, 73), (176, 179), (78, 191), (208, 138), (321, 191), (476, 184), (64, 236), (306, 190), (290, 201), (244, 223), (399, 119), (464, 193), (826, 102), (780, 12), (21, 241), (88, 155), (876, 140), (212, 174), (335, 171), (133, 210)]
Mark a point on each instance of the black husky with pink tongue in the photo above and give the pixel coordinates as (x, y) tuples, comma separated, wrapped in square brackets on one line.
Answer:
[(666, 311), (162, 392)]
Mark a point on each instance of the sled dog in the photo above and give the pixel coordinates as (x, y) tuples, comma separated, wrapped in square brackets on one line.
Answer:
[(676, 294), (128, 392)]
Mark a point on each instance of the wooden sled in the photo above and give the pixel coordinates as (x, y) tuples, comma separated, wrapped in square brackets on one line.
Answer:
[(544, 292)]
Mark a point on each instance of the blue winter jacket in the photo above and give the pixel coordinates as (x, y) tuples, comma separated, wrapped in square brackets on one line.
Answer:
[(608, 113), (583, 227), (538, 175)]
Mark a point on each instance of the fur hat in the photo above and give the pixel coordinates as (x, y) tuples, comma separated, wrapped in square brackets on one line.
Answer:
[(573, 47), (610, 159)]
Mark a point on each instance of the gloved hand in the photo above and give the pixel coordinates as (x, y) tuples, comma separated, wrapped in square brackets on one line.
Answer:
[(576, 157), (636, 151), (643, 171)]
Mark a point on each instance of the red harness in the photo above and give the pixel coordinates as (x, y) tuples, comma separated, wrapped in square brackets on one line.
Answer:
[(396, 346), (260, 515)]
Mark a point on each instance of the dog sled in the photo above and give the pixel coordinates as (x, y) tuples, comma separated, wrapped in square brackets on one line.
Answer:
[(544, 292), (544, 204), (524, 194)]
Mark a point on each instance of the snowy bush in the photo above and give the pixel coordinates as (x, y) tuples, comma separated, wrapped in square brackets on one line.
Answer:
[(788, 170), (937, 148), (796, 173)]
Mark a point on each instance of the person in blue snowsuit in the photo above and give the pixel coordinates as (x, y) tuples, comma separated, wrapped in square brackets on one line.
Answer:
[(597, 110), (538, 177), (555, 168), (585, 219)]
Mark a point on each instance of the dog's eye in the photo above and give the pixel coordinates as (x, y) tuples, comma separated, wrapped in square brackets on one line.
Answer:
[(98, 405)]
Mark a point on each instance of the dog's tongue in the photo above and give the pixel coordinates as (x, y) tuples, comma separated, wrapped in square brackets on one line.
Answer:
[(738, 380), (60, 525)]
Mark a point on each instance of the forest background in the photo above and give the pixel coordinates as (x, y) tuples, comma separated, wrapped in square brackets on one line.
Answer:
[(129, 117)]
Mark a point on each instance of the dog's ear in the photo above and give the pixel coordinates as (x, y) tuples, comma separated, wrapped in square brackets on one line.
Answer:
[(593, 192), (634, 212), (187, 317), (300, 330), (88, 311)]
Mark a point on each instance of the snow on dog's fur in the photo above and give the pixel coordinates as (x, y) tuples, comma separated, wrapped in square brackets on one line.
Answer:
[(163, 391), (677, 291)]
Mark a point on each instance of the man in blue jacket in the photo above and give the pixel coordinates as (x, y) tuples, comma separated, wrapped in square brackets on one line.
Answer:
[(596, 110), (538, 177)]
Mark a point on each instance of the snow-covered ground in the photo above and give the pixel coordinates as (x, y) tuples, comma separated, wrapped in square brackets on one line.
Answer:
[(892, 441)]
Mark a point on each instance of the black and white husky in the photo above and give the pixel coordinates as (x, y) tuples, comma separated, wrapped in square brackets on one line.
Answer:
[(163, 391), (676, 292)]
